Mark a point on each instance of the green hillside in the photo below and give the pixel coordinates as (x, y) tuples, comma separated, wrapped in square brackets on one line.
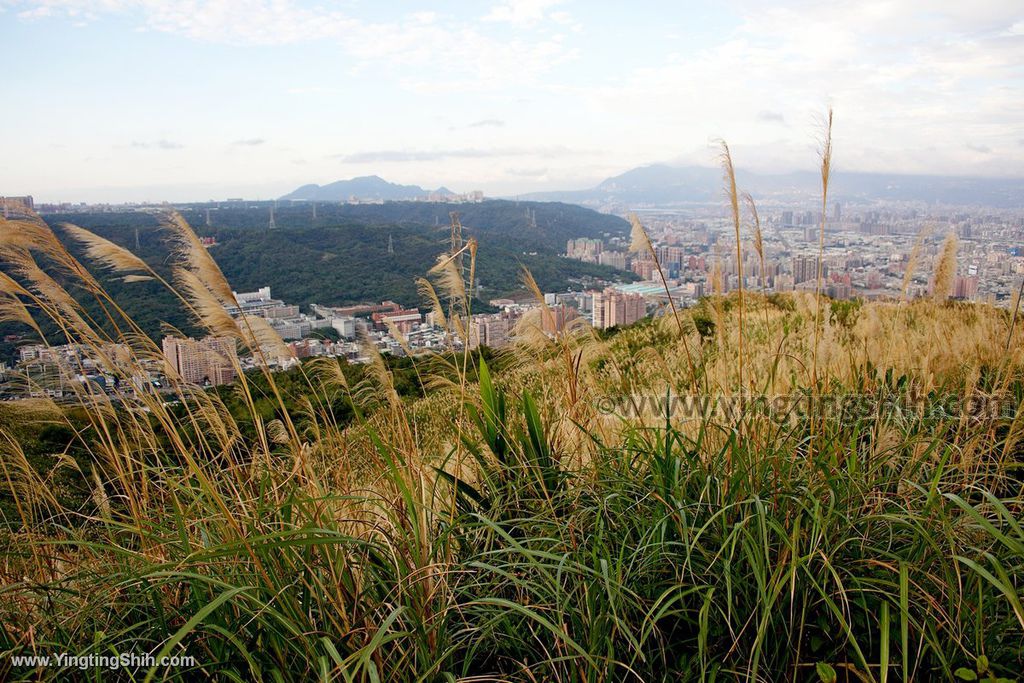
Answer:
[(343, 258)]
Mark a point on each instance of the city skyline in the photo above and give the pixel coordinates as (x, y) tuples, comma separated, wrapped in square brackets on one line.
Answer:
[(137, 100)]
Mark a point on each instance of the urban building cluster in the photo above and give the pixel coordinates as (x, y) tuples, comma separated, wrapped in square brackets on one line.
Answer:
[(865, 252), (497, 330), (209, 361), (12, 207), (287, 319), (603, 308), (73, 369)]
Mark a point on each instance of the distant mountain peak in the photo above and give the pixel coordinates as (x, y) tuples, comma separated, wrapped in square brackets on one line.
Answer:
[(362, 187)]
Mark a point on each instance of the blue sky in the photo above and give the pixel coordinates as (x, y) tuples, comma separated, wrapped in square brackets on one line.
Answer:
[(114, 100)]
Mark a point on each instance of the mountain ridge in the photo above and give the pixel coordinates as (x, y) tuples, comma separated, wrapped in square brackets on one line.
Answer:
[(668, 185), (361, 187)]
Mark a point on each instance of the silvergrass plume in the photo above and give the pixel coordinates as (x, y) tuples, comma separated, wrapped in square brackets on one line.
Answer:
[(915, 254), (105, 252), (427, 291), (945, 269), (825, 154), (261, 338), (450, 277), (207, 310), (195, 257), (758, 236), (1016, 311), (734, 204), (640, 241)]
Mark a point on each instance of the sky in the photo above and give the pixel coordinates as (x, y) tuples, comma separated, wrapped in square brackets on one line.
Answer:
[(146, 100)]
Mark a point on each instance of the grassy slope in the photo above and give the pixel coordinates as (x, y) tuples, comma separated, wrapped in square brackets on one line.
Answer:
[(585, 546), (513, 529)]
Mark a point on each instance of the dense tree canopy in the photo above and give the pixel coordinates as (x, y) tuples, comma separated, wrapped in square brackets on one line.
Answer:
[(342, 256)]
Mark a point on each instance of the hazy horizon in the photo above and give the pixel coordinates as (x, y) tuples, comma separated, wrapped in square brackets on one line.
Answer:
[(140, 100)]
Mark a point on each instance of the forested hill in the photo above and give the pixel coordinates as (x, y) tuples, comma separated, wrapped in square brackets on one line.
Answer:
[(343, 257), (533, 225)]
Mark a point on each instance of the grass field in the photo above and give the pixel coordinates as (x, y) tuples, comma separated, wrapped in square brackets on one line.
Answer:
[(552, 517)]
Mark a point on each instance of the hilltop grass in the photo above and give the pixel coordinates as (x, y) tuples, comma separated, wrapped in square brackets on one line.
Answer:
[(507, 527)]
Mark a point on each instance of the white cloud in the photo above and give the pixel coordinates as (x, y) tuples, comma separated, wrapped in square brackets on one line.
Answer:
[(525, 12), (467, 56), (411, 155), (82, 10), (247, 22), (902, 80), (161, 144), (917, 87)]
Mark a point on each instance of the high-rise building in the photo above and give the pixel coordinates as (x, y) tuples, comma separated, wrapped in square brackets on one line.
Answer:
[(555, 318), (488, 330), (644, 268), (25, 202), (806, 268), (205, 361), (345, 325), (613, 307), (839, 290), (965, 288), (597, 309), (675, 256), (615, 259), (584, 249), (493, 329), (14, 206)]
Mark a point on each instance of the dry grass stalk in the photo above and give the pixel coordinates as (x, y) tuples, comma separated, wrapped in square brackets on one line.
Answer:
[(427, 291), (195, 257), (641, 242), (451, 282), (758, 236), (398, 336), (262, 339), (915, 255), (826, 176), (1016, 311), (12, 309), (329, 372), (105, 252), (734, 204), (945, 269), (207, 309)]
